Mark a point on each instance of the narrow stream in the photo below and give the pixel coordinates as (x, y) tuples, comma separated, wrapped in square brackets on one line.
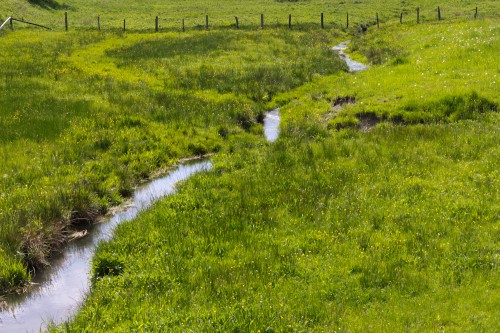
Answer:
[(59, 291), (354, 66)]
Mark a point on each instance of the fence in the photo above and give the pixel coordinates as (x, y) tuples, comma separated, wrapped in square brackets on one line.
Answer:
[(11, 19), (321, 22)]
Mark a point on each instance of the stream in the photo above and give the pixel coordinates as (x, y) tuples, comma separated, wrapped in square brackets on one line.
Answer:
[(57, 292), (272, 125), (354, 66)]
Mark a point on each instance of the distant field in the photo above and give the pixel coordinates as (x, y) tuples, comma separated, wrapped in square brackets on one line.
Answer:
[(140, 15)]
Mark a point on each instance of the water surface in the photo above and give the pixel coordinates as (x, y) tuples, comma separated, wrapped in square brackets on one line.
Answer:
[(272, 125)]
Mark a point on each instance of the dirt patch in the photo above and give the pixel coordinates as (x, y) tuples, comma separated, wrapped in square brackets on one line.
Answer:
[(3, 304), (368, 120), (336, 106), (339, 102)]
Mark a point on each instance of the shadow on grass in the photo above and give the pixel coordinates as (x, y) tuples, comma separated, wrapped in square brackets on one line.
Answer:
[(167, 48), (48, 4)]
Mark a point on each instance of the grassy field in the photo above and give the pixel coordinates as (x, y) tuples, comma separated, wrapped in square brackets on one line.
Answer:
[(376, 210), (337, 234), (393, 228), (86, 116)]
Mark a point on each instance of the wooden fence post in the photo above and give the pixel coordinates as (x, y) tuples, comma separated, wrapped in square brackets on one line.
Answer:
[(289, 21), (206, 22), (322, 21), (378, 25), (475, 14), (401, 18), (98, 23), (347, 20), (11, 24), (418, 15), (237, 23), (439, 14), (156, 24), (124, 25), (183, 29), (66, 20), (262, 21)]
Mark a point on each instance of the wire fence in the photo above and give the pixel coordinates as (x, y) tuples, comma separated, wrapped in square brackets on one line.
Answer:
[(323, 20)]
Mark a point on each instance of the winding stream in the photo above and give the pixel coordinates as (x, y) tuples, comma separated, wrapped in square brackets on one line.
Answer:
[(57, 292)]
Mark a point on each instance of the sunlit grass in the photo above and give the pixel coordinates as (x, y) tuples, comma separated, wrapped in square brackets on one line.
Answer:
[(392, 228), (448, 69), (86, 115)]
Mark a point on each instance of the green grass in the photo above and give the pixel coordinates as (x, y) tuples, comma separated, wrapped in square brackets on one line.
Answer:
[(449, 72), (341, 233), (376, 215), (85, 116)]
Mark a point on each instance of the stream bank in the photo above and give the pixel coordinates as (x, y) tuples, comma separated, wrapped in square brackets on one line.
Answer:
[(57, 292), (353, 65)]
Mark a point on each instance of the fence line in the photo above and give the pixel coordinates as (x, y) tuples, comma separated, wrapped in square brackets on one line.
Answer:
[(321, 21), (11, 19)]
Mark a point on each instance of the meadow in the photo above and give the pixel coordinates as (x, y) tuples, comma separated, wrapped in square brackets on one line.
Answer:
[(86, 116), (337, 234), (376, 209)]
